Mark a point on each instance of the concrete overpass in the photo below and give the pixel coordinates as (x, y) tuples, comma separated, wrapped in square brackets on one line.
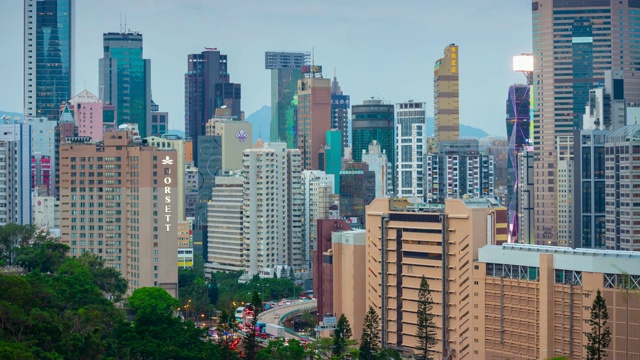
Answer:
[(278, 314)]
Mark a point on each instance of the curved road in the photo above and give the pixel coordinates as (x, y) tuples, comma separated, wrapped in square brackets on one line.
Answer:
[(273, 316)]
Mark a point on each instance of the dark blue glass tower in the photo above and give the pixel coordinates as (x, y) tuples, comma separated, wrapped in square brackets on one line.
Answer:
[(48, 56)]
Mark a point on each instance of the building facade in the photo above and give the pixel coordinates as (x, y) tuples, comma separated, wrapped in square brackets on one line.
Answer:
[(340, 104), (174, 142), (208, 87), (574, 43), (357, 190), (319, 196), (373, 120), (565, 182), (459, 170), (125, 77), (49, 49), (118, 202), (518, 112), (377, 161), (43, 153), (446, 96), (621, 187), (272, 203), (15, 160), (534, 302), (437, 242), (225, 217), (589, 180), (411, 145), (285, 70), (314, 115), (235, 137), (159, 120), (88, 114)]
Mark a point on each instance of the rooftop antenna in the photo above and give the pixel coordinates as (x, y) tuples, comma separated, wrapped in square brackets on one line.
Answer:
[(313, 61), (121, 22)]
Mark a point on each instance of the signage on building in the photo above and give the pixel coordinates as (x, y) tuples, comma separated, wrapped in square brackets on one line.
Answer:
[(340, 101), (311, 69), (241, 135), (167, 192)]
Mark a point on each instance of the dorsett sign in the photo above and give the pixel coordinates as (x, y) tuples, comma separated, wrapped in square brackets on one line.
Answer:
[(167, 192)]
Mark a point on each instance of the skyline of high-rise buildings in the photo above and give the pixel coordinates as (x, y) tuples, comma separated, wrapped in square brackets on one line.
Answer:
[(574, 43)]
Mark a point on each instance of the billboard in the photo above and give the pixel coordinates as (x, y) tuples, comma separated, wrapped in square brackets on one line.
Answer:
[(340, 101), (311, 69)]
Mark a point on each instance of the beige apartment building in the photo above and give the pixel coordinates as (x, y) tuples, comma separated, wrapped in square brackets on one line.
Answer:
[(118, 201), (446, 95), (534, 302), (166, 142), (348, 257), (439, 242)]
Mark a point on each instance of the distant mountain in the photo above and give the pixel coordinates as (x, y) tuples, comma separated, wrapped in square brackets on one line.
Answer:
[(10, 114), (176, 132), (466, 131), (261, 124), (261, 121)]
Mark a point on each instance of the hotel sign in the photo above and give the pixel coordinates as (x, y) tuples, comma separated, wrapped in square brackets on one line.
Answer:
[(167, 192)]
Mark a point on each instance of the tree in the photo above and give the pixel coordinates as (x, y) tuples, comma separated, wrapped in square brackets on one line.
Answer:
[(152, 304), (12, 237), (109, 280), (292, 274), (340, 336), (283, 274), (214, 292), (249, 343), (426, 328), (278, 350), (370, 339), (600, 337), (45, 257)]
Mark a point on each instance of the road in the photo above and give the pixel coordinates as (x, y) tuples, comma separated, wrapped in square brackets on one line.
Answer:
[(272, 316)]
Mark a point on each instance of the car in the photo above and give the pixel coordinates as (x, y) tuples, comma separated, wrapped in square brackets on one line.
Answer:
[(276, 316)]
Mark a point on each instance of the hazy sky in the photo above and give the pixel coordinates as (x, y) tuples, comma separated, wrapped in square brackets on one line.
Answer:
[(379, 48)]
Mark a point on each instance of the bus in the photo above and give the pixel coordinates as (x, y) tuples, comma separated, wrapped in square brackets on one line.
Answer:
[(239, 314)]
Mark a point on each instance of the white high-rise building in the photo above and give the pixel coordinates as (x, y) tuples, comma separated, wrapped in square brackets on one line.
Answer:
[(411, 143), (564, 152), (380, 165), (224, 224), (272, 203), (15, 173), (318, 198)]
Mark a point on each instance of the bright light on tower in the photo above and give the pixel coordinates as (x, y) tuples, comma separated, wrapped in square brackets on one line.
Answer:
[(523, 63)]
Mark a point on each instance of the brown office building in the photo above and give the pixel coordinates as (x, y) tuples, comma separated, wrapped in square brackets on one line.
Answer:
[(534, 302), (117, 200), (440, 243), (314, 115), (446, 95)]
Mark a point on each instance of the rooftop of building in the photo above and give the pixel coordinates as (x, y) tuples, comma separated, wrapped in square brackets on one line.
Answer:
[(589, 260), (624, 134)]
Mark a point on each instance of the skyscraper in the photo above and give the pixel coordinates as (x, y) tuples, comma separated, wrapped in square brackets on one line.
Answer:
[(272, 203), (88, 112), (207, 87), (49, 27), (411, 143), (314, 115), (574, 42), (340, 105), (518, 120), (125, 80), (446, 95), (373, 120), (285, 74)]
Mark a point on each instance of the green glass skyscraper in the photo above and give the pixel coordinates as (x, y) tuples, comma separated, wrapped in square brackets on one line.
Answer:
[(125, 80), (49, 28), (285, 73), (370, 121)]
